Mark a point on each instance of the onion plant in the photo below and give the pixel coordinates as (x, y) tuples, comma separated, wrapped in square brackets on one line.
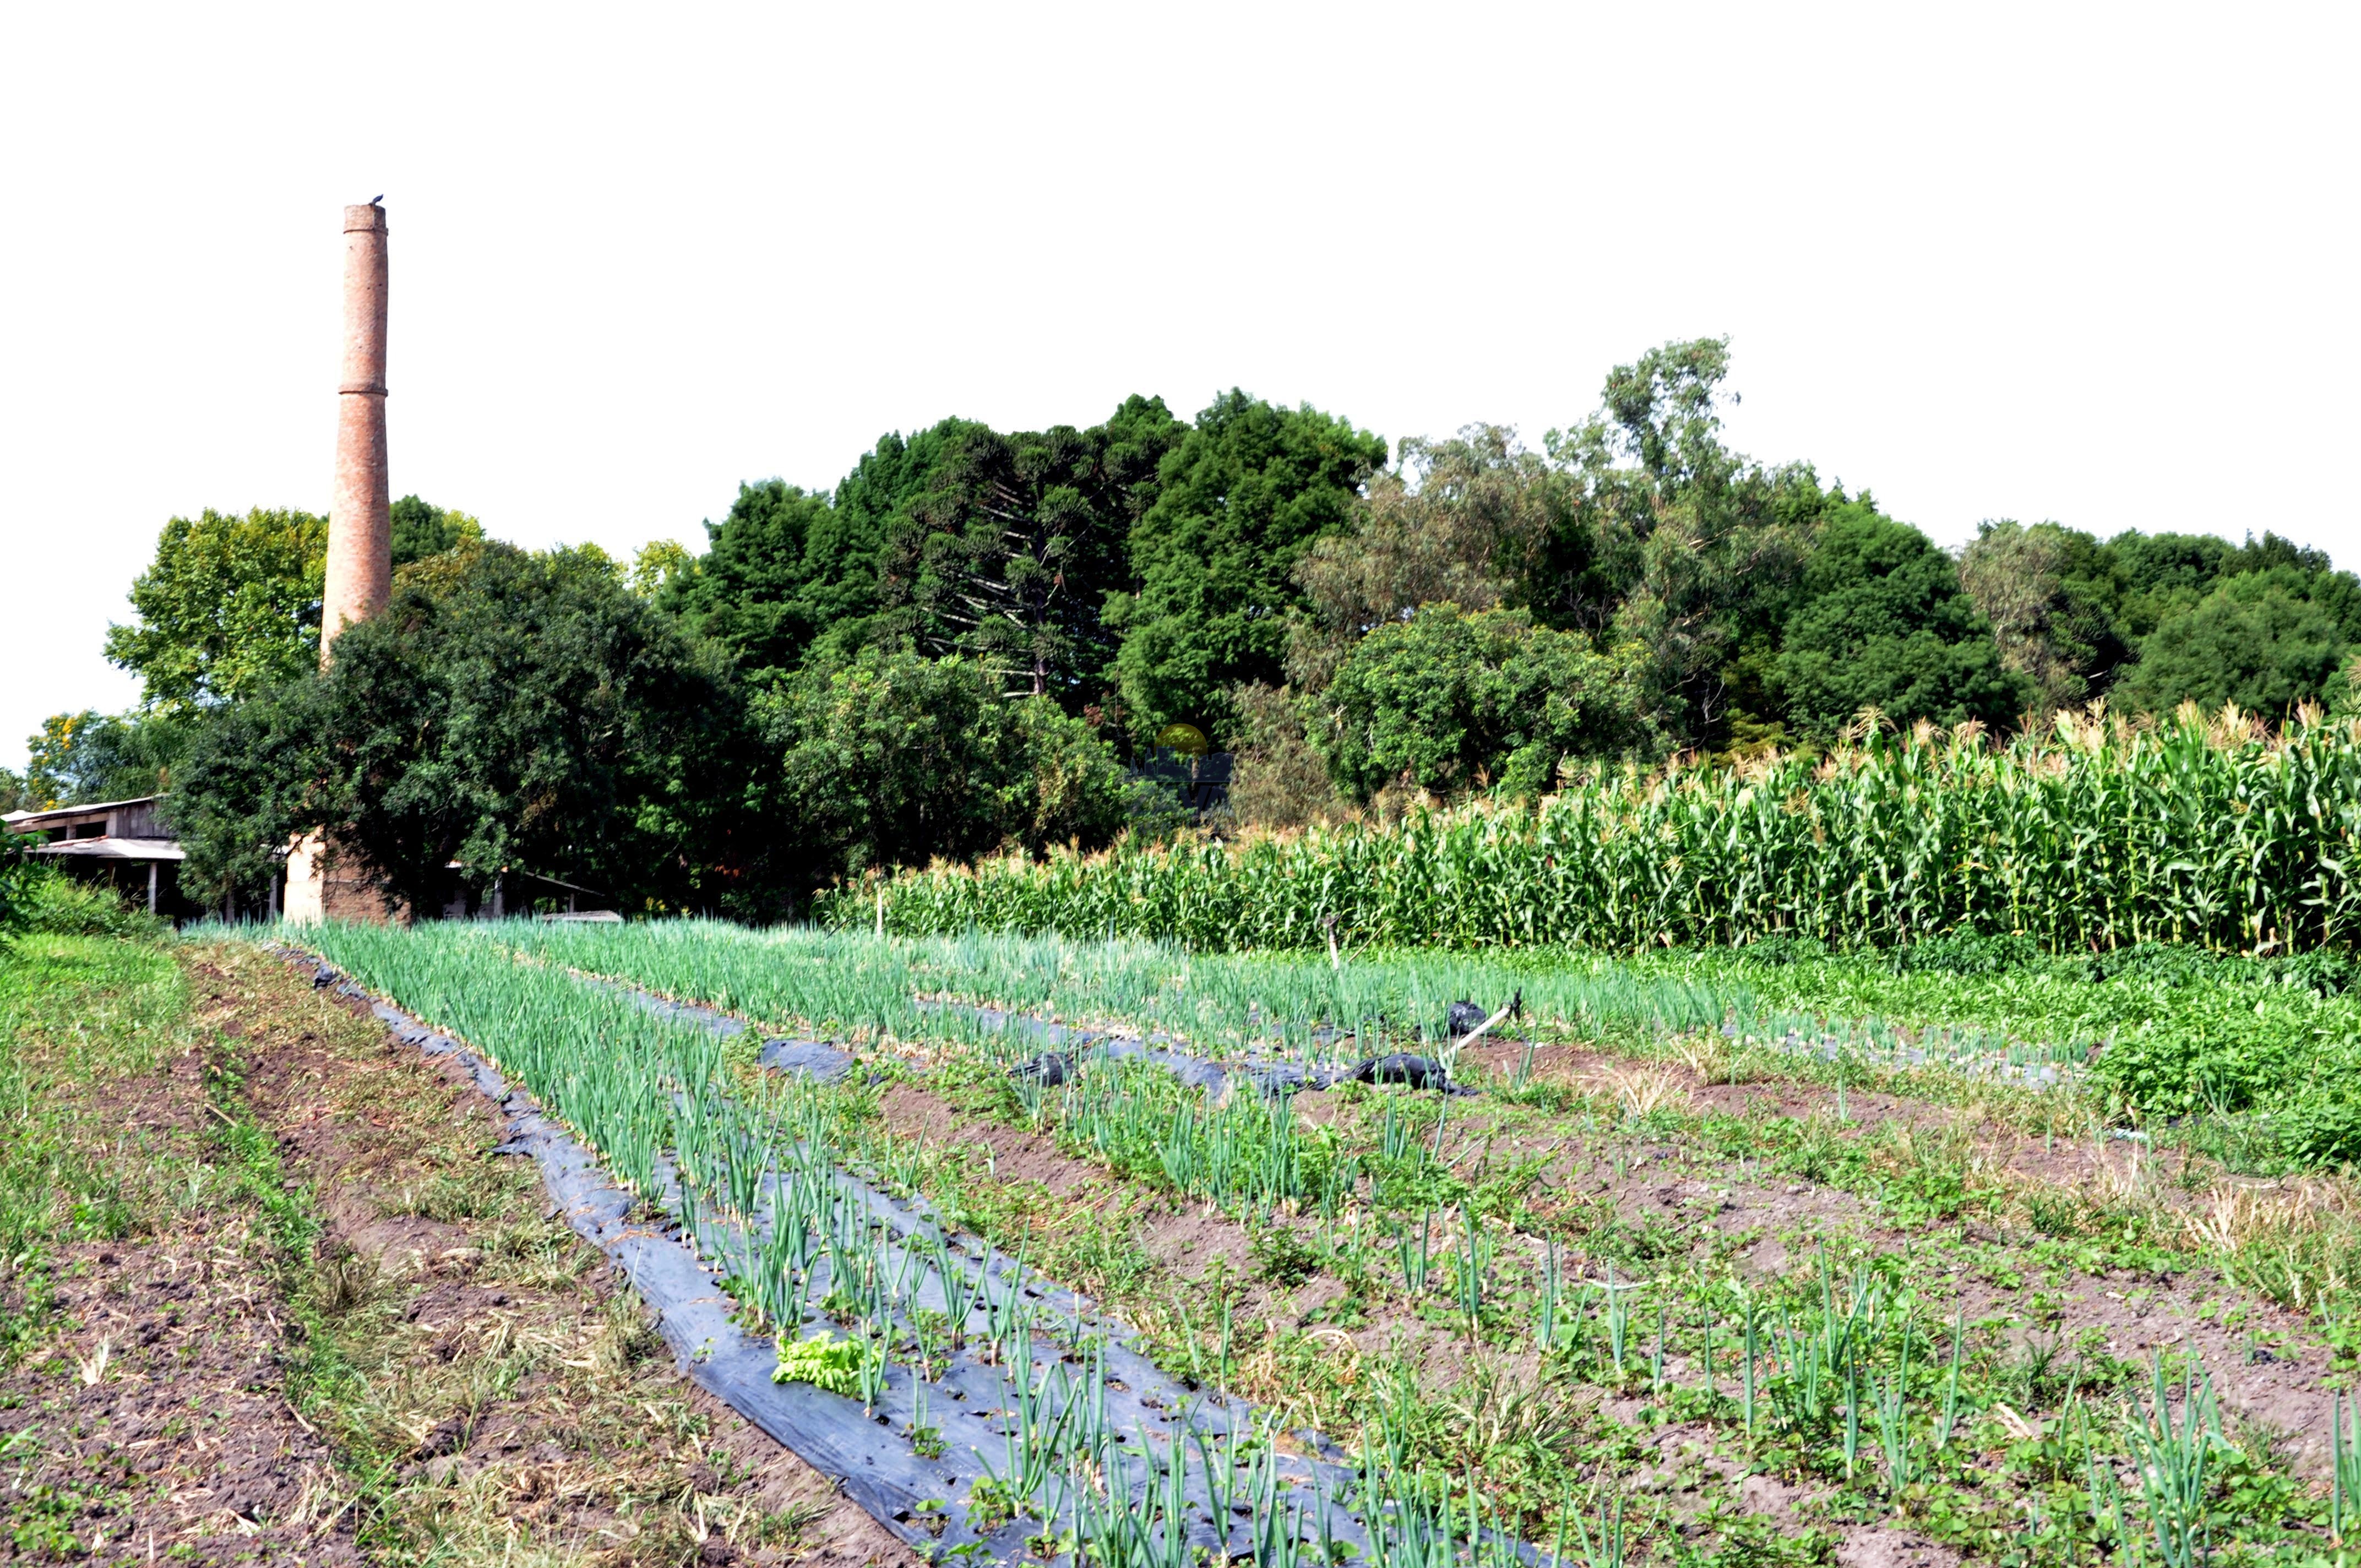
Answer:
[(769, 1179)]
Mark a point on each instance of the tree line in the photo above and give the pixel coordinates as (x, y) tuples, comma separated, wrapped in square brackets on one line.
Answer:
[(965, 642)]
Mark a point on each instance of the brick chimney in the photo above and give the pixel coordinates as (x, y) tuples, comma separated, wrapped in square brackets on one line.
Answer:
[(360, 520), (361, 541)]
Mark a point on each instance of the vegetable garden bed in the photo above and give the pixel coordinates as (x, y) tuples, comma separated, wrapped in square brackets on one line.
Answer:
[(1515, 1379)]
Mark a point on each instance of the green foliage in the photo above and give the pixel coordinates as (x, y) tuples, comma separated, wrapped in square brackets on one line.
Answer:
[(1682, 547), (2257, 640), (1881, 623), (1008, 555), (878, 502), (2155, 620), (2094, 836), (2322, 1126), (230, 607), (825, 1362), (1242, 497), (1282, 1256), (507, 711), (659, 564), (1447, 700), (2253, 1051), (781, 570), (78, 758), (543, 716), (2051, 595), (16, 874), (37, 899), (420, 531), (1478, 615), (1472, 522), (2160, 574), (252, 775), (895, 759)]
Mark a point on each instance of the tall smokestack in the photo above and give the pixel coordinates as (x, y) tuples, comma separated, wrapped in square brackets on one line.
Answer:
[(361, 541), (360, 523)]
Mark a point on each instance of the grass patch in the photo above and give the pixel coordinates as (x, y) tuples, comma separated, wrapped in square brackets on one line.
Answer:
[(83, 1017), (486, 1402), (195, 1357)]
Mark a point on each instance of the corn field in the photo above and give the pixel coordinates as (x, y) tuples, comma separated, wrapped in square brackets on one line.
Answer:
[(2097, 834)]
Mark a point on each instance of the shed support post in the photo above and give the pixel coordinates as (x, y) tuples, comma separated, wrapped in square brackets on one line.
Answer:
[(151, 887)]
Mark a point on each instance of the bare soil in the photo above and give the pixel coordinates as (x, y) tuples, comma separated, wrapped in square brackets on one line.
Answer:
[(2270, 1368), (428, 1361), (160, 1416)]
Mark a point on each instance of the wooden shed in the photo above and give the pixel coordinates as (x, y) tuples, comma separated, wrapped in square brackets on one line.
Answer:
[(118, 842)]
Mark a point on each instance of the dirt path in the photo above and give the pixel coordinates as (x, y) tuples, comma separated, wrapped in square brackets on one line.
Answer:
[(363, 1335), (150, 1413)]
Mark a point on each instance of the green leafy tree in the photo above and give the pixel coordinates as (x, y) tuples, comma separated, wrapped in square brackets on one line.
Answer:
[(1883, 624), (78, 758), (659, 564), (2052, 596), (791, 574), (421, 530), (1466, 522), (1008, 555), (895, 759), (16, 879), (1241, 499), (2259, 640), (2076, 616), (230, 606), (2160, 575), (2163, 573), (762, 590), (875, 505), (507, 710), (1680, 547), (1448, 701), (255, 773)]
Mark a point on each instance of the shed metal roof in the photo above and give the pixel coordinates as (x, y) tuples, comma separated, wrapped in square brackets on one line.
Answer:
[(20, 820), (116, 849)]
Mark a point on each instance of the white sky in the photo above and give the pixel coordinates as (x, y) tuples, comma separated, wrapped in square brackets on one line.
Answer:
[(2086, 263)]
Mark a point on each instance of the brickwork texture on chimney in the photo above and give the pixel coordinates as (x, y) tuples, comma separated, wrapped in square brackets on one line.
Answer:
[(360, 522)]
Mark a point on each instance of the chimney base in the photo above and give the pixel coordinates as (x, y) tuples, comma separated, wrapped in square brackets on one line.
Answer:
[(319, 887)]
